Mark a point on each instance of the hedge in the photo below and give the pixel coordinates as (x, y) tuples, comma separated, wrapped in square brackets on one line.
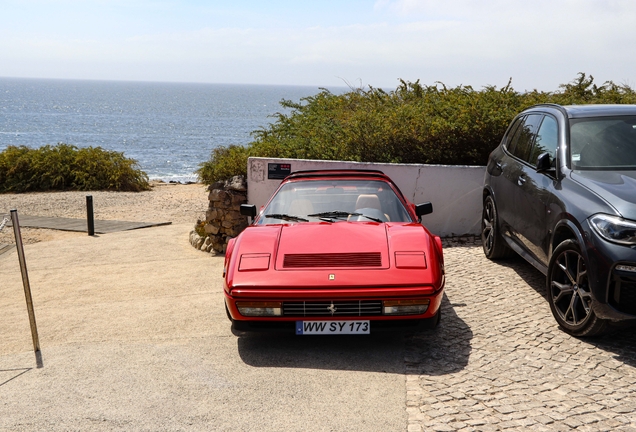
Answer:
[(414, 123)]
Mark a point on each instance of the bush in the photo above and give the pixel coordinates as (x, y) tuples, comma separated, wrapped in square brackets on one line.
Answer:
[(224, 163), (66, 167), (414, 123)]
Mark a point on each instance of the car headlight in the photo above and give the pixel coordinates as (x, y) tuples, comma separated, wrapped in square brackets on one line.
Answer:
[(614, 229), (405, 307), (260, 309)]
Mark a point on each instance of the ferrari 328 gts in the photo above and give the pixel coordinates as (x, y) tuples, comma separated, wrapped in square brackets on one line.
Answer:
[(334, 252)]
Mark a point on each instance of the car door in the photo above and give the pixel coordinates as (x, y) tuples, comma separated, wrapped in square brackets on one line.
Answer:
[(513, 174), (536, 191), (503, 177)]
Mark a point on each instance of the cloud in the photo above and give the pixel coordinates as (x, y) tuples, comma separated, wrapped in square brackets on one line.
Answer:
[(540, 44)]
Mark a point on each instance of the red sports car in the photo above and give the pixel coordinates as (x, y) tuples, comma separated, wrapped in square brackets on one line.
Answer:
[(334, 252)]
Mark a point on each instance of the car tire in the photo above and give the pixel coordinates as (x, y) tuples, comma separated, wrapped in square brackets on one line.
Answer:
[(227, 312), (494, 245), (432, 322), (569, 292), (438, 317)]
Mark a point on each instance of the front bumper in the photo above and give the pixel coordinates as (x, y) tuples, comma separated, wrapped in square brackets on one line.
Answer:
[(370, 308), (613, 289)]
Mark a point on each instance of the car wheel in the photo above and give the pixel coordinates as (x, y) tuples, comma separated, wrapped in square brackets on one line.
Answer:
[(494, 245), (569, 292), (432, 322), (438, 317)]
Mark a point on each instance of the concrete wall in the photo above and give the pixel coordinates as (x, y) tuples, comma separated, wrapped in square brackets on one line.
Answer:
[(454, 191)]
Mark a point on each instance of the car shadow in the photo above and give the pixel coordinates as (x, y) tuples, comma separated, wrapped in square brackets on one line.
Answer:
[(387, 352), (620, 341), (443, 351), (533, 277)]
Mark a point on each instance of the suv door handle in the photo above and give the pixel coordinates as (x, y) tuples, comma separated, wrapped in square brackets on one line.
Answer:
[(521, 180)]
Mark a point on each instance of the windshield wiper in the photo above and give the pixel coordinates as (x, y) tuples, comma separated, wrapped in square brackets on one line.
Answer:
[(286, 217), (341, 214), (331, 214)]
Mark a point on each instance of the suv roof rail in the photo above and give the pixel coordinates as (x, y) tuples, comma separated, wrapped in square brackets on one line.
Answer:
[(550, 105), (546, 104)]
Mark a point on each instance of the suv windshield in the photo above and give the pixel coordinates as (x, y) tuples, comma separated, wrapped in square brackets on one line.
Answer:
[(603, 143), (335, 201)]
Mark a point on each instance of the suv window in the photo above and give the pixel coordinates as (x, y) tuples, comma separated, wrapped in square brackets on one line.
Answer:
[(508, 140), (523, 138), (547, 140)]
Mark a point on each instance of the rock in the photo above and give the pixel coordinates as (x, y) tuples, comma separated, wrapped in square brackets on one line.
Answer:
[(211, 214), (211, 229), (217, 195), (227, 223), (236, 183)]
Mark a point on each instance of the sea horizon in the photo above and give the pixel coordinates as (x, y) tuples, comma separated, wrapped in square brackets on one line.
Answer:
[(169, 128)]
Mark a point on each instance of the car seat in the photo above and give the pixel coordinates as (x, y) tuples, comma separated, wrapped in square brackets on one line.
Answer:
[(370, 201)]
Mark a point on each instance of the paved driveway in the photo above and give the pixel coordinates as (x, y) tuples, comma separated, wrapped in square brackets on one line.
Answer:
[(499, 361)]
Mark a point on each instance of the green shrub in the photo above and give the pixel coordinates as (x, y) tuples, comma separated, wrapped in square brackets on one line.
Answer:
[(414, 123), (66, 167), (224, 163)]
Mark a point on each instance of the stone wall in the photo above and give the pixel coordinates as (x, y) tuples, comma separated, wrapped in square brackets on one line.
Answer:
[(223, 219)]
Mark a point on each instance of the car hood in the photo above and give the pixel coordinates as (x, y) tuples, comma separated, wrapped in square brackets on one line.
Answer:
[(349, 245), (616, 187), (357, 253)]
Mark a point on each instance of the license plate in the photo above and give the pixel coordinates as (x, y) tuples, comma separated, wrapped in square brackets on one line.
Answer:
[(332, 327)]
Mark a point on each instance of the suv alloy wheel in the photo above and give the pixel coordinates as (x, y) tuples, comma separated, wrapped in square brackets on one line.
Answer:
[(569, 292), (494, 245)]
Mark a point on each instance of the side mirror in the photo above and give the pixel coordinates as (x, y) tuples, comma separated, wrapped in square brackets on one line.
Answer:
[(248, 210), (544, 164), (423, 209)]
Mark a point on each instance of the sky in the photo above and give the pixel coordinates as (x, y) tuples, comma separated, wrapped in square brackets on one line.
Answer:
[(539, 44)]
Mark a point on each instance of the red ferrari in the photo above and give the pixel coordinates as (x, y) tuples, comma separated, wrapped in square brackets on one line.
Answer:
[(335, 252)]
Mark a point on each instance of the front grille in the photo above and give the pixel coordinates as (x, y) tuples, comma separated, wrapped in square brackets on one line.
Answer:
[(364, 259), (623, 294), (339, 308)]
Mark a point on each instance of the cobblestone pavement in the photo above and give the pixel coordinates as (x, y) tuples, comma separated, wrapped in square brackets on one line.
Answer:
[(498, 361)]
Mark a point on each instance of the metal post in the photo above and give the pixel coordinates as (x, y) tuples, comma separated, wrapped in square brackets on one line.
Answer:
[(89, 215), (27, 287)]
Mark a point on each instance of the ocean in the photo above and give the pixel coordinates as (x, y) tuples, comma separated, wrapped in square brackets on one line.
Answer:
[(169, 128)]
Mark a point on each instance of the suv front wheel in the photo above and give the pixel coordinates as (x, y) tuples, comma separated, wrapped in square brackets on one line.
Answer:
[(569, 292)]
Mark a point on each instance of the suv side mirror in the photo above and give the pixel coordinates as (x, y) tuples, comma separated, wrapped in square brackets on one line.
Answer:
[(423, 209), (544, 164)]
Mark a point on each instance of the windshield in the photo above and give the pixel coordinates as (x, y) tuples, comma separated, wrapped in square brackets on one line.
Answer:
[(334, 201), (603, 143)]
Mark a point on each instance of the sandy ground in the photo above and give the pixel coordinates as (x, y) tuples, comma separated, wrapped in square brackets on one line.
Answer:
[(134, 336), (176, 203)]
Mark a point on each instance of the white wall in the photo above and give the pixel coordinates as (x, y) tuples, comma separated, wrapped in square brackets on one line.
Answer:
[(454, 191)]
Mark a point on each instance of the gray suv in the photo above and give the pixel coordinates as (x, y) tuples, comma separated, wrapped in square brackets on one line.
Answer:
[(560, 190)]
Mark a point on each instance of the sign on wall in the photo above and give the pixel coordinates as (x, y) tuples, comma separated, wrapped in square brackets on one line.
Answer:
[(278, 171)]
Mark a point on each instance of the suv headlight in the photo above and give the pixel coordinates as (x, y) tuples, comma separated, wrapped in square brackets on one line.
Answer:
[(614, 229)]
